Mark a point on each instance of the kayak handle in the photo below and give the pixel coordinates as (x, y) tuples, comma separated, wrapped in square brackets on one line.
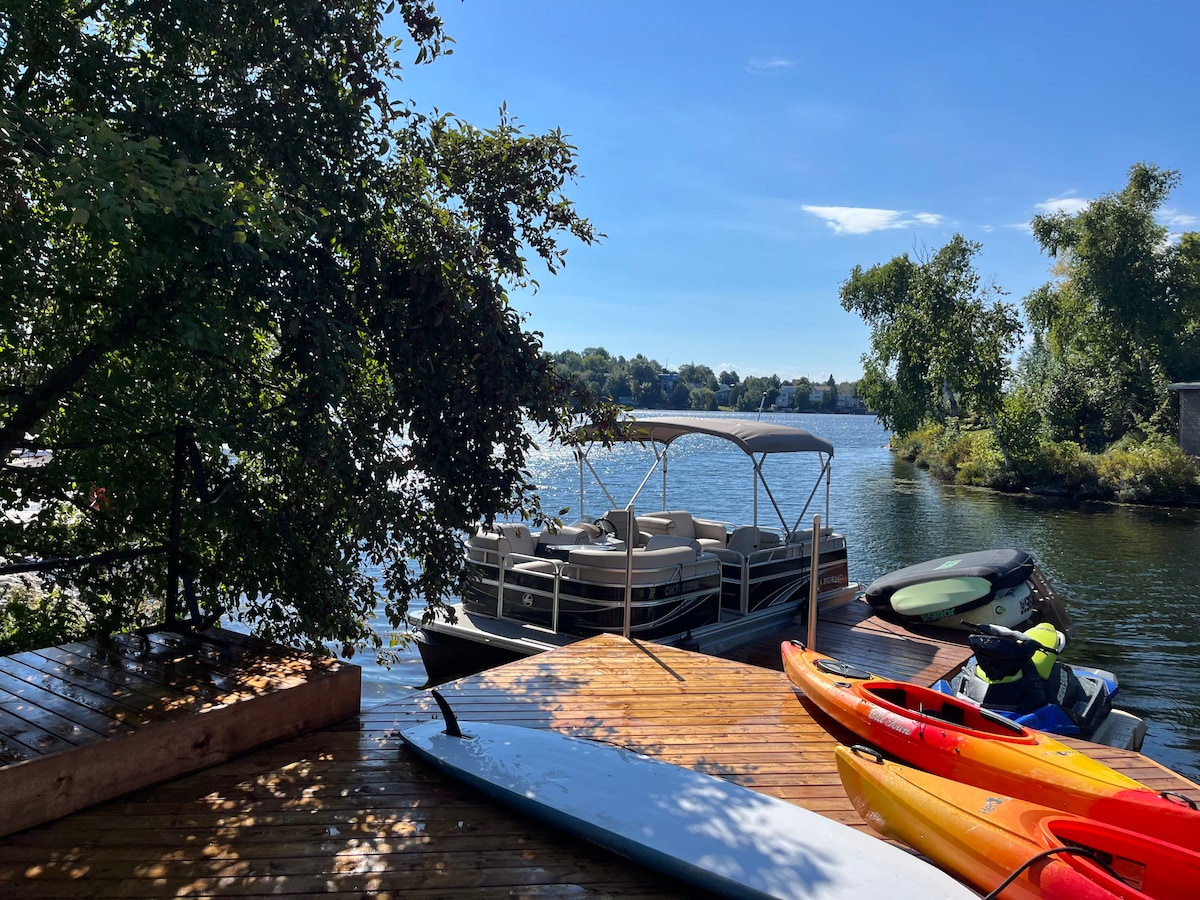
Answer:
[(1176, 797), (864, 750)]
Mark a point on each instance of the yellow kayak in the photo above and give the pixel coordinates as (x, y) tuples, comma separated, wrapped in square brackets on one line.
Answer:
[(984, 837)]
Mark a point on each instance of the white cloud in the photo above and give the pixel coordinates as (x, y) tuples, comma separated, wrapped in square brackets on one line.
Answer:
[(864, 220), (1069, 205), (1175, 219), (761, 64)]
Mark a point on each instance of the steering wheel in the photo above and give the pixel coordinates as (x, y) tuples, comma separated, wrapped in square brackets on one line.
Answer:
[(606, 526)]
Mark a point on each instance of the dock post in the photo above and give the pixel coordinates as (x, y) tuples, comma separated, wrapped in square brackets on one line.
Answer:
[(814, 571)]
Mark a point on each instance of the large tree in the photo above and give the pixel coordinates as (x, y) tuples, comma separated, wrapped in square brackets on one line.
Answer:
[(254, 306), (940, 337), (1121, 320)]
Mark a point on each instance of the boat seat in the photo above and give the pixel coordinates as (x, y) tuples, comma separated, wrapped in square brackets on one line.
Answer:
[(680, 523), (659, 541), (566, 534), (608, 566), (515, 538), (621, 519), (746, 539), (593, 531)]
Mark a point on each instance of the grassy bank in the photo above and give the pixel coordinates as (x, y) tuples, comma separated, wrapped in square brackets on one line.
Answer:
[(1138, 469)]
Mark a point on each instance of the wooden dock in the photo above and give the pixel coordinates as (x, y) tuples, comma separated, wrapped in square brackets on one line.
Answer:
[(853, 633), (86, 722), (347, 812)]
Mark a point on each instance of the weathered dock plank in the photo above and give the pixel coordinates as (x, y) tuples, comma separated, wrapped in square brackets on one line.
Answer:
[(346, 811), (854, 634), (86, 722)]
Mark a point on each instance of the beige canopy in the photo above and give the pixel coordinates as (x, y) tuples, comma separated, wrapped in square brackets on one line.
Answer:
[(751, 436)]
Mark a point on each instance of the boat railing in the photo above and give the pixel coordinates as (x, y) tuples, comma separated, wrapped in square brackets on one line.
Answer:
[(588, 565), (537, 566)]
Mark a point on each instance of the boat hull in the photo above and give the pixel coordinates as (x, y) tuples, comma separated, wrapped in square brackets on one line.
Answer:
[(956, 739), (712, 833), (983, 837)]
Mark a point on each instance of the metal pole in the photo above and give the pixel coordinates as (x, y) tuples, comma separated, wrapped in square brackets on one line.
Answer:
[(175, 528), (629, 533), (813, 571)]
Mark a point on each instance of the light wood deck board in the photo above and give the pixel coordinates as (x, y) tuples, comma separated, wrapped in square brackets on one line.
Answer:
[(84, 722), (346, 810)]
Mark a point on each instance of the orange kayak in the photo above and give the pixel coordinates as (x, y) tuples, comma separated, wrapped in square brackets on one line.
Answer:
[(958, 740), (984, 837)]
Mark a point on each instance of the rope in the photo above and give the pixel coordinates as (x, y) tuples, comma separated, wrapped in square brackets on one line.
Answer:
[(1082, 851)]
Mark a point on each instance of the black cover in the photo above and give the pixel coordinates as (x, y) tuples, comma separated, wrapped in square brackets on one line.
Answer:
[(1003, 569)]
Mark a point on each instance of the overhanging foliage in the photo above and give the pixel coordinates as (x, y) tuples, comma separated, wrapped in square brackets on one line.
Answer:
[(221, 231)]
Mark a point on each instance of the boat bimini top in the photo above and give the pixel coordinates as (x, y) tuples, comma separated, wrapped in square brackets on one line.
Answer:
[(756, 439)]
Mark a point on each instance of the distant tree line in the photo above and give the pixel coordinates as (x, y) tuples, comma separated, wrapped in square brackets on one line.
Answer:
[(647, 384)]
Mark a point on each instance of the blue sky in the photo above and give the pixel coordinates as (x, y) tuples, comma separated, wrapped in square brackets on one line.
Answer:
[(742, 158)]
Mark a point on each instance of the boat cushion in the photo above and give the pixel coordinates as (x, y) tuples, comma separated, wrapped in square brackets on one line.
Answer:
[(519, 539), (658, 541), (747, 538), (608, 566), (566, 534), (711, 535)]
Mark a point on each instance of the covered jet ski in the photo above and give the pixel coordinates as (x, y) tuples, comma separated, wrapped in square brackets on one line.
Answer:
[(1019, 675), (963, 591)]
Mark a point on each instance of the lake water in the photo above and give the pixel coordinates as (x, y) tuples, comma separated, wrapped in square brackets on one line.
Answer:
[(1130, 575)]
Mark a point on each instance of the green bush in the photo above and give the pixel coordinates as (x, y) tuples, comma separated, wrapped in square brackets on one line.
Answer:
[(984, 463), (1137, 469), (963, 456), (32, 616), (1153, 469), (912, 445)]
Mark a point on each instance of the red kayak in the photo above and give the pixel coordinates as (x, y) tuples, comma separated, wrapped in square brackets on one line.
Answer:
[(985, 837), (961, 741)]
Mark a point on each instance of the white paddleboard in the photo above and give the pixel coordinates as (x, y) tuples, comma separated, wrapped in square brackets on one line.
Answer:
[(700, 829)]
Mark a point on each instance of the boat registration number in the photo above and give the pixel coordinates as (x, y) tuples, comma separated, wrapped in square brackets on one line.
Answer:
[(681, 587)]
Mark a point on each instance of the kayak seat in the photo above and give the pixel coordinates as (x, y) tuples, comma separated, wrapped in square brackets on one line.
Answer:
[(955, 715)]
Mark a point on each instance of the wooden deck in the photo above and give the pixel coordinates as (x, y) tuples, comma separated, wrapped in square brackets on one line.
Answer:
[(854, 634), (347, 812), (86, 722)]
